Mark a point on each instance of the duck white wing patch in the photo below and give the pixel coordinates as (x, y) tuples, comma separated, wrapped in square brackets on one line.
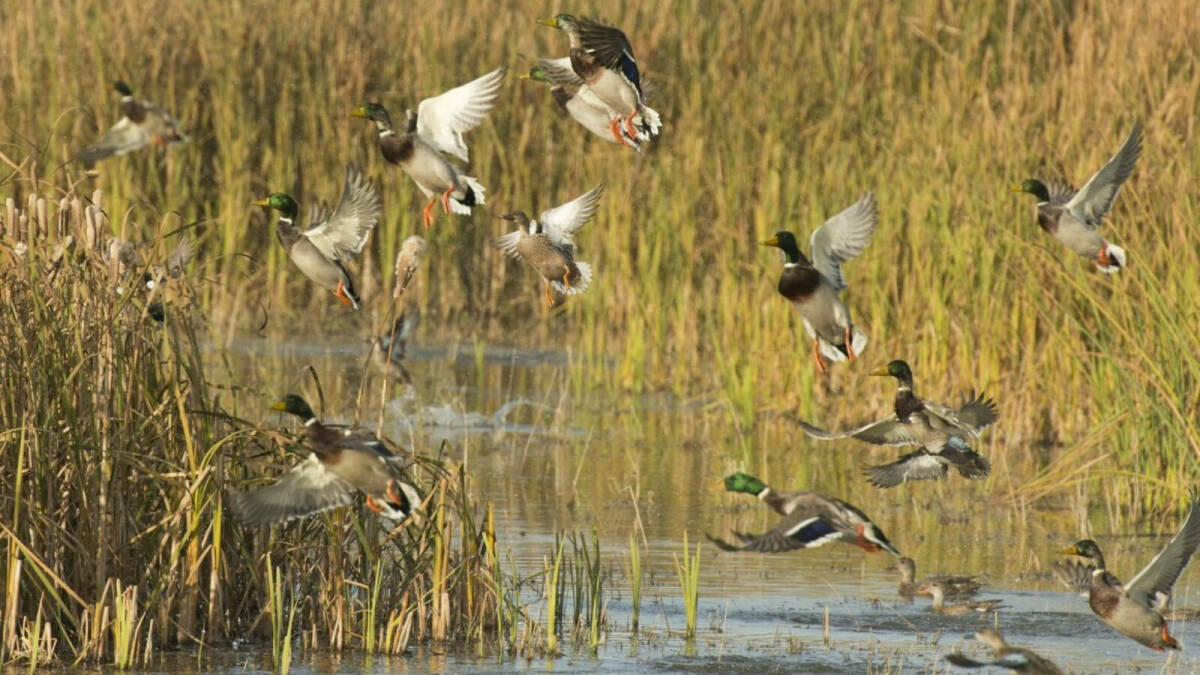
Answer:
[(443, 119), (562, 222), (507, 243), (345, 233)]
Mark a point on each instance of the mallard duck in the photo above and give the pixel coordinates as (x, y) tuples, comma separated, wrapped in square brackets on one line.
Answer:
[(813, 286), (407, 261), (1136, 609), (953, 586), (387, 350), (548, 246), (1006, 656), (437, 127), (809, 520), (603, 58), (938, 592), (939, 430), (321, 250), (172, 268), (582, 106), (1073, 217), (141, 124), (344, 459)]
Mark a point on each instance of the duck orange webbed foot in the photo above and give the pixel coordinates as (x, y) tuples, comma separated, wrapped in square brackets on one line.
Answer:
[(446, 199), (427, 213), (817, 356), (849, 345)]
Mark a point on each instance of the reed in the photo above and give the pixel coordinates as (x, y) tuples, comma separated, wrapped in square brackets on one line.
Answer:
[(635, 581), (688, 572)]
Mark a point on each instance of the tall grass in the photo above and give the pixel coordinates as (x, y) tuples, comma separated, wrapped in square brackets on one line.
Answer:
[(776, 117), (115, 451)]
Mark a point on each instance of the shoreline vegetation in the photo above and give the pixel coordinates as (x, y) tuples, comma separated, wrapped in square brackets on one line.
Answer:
[(117, 441)]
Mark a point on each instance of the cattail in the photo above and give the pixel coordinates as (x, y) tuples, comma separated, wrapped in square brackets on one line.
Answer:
[(406, 263)]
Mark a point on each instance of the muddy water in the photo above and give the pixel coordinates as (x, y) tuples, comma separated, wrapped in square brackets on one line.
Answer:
[(553, 456)]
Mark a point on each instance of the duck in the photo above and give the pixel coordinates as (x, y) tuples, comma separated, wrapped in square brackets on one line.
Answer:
[(937, 591), (953, 586), (407, 261), (388, 349), (343, 460), (1007, 656), (435, 130), (1074, 217), (141, 124), (809, 520), (602, 57), (813, 286), (548, 244), (940, 431), (583, 107), (1136, 609), (321, 250)]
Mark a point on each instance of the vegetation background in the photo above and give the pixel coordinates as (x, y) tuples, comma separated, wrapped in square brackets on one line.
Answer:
[(777, 115)]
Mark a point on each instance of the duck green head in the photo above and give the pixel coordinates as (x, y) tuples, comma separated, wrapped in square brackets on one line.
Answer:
[(1085, 548), (536, 73), (898, 369), (376, 113), (283, 203), (1034, 187), (295, 405), (122, 88), (786, 242), (564, 22), (744, 482)]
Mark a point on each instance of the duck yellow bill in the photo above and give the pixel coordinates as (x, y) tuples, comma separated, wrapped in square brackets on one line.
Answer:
[(279, 405), (1016, 188), (773, 241), (548, 22), (523, 76), (881, 371), (1070, 550), (265, 201), (358, 112)]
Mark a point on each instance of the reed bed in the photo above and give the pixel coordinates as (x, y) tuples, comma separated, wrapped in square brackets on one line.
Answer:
[(115, 457), (777, 116)]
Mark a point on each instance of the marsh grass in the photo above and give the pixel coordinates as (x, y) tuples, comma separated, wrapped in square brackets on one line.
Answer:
[(116, 454)]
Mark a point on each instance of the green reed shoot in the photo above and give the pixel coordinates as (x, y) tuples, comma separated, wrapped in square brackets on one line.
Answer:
[(635, 580), (553, 593), (281, 632), (688, 571)]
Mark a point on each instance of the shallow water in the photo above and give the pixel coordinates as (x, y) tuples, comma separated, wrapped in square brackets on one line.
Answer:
[(552, 456)]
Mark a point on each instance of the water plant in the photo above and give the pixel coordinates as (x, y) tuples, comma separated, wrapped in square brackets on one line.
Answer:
[(688, 572)]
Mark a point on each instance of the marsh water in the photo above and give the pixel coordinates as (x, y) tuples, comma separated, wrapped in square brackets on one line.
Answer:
[(555, 455)]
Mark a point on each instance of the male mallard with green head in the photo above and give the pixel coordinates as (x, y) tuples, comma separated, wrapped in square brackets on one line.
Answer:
[(1005, 655), (582, 106), (433, 131), (344, 459), (602, 57), (939, 430), (141, 124), (1136, 609), (548, 244), (321, 250), (813, 286), (809, 520), (1074, 217)]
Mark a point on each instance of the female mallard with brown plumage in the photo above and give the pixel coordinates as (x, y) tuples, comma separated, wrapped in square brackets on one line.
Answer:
[(953, 586), (436, 129), (809, 520), (1136, 609), (344, 459), (1005, 655), (941, 432), (813, 286), (602, 57), (141, 124), (321, 250), (547, 243), (937, 592), (1074, 217)]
